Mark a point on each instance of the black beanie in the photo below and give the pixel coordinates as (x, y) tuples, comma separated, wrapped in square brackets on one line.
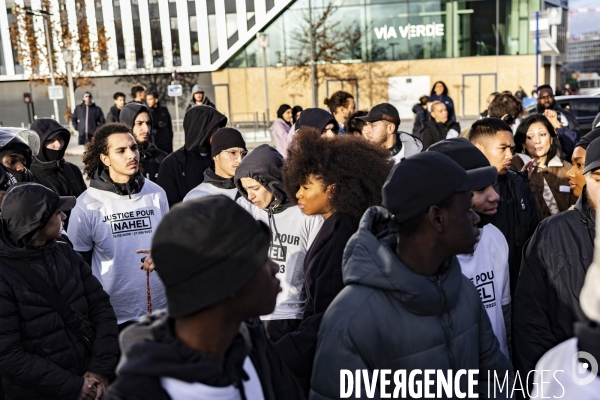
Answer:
[(226, 138), (204, 250), (282, 108)]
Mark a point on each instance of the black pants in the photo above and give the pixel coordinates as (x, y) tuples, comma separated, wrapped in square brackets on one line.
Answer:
[(278, 328)]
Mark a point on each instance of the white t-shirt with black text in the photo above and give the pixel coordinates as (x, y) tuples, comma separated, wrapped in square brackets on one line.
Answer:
[(293, 233), (114, 227), (487, 268)]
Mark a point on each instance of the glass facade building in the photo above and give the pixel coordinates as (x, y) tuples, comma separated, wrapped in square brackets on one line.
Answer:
[(389, 30)]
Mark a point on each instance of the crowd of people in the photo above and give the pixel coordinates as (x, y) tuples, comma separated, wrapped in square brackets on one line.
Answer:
[(217, 271)]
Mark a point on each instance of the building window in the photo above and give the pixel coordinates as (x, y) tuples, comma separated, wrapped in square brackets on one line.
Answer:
[(193, 21), (119, 33), (212, 30), (137, 34), (156, 34), (174, 33)]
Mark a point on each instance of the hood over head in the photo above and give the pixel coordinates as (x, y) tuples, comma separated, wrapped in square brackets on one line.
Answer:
[(199, 123), (197, 89), (151, 348), (130, 111), (11, 142), (47, 128), (27, 208), (263, 164), (370, 260), (316, 118)]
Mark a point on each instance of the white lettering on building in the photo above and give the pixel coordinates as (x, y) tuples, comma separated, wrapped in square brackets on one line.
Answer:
[(410, 31)]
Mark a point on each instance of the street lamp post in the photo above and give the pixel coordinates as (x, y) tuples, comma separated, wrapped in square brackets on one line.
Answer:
[(68, 57), (313, 72), (263, 42)]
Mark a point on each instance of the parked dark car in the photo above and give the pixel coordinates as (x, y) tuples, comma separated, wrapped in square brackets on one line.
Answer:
[(583, 107)]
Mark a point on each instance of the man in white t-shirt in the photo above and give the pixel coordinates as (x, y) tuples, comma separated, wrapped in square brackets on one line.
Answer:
[(259, 181), (487, 266), (114, 221), (228, 148), (381, 129)]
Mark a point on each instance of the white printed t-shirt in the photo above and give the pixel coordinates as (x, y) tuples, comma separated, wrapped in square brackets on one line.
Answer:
[(181, 390), (293, 233), (487, 268), (114, 227), (206, 189)]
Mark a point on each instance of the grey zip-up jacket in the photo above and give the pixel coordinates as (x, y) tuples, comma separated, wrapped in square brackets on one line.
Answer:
[(388, 317)]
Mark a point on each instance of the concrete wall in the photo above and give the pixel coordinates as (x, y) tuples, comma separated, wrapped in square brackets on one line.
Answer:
[(286, 84)]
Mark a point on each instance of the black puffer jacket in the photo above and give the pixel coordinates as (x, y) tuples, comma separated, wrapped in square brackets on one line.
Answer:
[(421, 115), (516, 218), (49, 167), (184, 169), (39, 357), (388, 317), (113, 115), (546, 302), (151, 351), (162, 127)]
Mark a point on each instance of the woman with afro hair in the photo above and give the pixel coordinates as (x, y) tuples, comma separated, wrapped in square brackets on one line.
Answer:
[(337, 178)]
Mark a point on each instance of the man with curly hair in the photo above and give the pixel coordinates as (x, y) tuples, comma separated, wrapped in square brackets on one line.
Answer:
[(115, 218), (338, 178)]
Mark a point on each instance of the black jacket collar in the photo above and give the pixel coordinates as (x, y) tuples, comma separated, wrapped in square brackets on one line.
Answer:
[(102, 181), (222, 183)]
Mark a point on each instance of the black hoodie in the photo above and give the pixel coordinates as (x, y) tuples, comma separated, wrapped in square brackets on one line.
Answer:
[(49, 167), (150, 156), (263, 164), (316, 118), (151, 350), (113, 114), (184, 169)]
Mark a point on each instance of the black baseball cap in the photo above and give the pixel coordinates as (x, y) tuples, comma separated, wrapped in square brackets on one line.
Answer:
[(592, 157), (426, 179), (383, 111), (463, 152)]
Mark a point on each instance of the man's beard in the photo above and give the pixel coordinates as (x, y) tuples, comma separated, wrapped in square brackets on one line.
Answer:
[(591, 202)]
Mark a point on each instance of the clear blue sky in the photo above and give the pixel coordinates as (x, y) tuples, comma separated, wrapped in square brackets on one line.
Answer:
[(587, 22)]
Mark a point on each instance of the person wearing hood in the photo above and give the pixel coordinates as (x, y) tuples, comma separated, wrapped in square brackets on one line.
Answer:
[(115, 110), (577, 358), (296, 112), (319, 119), (86, 118), (259, 181), (228, 149), (162, 130), (546, 101), (15, 155), (381, 129), (281, 129), (138, 118), (115, 219), (421, 115), (49, 167), (439, 126), (406, 304), (575, 174), (59, 332), (209, 344), (517, 215), (555, 261), (199, 98), (487, 266), (323, 177), (183, 170)]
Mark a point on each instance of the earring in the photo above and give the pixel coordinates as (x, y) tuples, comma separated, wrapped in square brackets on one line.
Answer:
[(523, 151)]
